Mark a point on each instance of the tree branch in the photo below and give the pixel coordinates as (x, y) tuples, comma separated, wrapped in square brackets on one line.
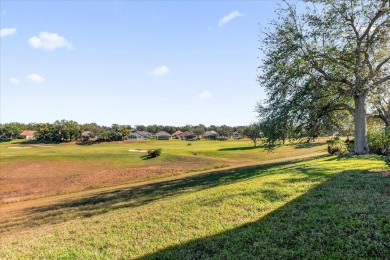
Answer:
[(346, 107), (378, 15), (381, 64), (380, 81)]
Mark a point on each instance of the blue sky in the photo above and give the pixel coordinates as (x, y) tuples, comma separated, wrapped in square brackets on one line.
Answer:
[(131, 62)]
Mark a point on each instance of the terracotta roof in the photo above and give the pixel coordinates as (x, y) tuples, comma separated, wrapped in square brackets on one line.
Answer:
[(178, 132), (27, 133)]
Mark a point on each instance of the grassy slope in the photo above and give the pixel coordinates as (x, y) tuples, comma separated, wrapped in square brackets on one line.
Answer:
[(323, 207), (66, 168)]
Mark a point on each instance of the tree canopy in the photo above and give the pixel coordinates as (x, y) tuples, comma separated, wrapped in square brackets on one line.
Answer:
[(330, 57)]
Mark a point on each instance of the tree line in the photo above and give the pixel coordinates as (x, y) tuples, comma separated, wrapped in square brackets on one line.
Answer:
[(68, 130)]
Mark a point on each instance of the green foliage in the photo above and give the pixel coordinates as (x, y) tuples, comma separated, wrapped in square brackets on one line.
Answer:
[(253, 132), (379, 141), (11, 130), (154, 152), (336, 146), (222, 138), (312, 67)]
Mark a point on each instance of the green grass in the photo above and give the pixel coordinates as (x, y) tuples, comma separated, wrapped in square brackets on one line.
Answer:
[(117, 152), (326, 207), (33, 171)]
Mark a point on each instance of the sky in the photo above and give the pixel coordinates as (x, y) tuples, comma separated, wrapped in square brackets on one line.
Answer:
[(132, 62)]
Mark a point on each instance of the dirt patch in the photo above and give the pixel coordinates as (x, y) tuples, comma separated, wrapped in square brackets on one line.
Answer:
[(33, 179), (385, 173)]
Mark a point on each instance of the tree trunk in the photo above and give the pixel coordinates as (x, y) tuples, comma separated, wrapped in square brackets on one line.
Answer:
[(360, 133)]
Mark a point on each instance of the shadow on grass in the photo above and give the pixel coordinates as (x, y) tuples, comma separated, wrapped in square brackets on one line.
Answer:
[(243, 148), (146, 157), (308, 145), (29, 142), (348, 216), (103, 202)]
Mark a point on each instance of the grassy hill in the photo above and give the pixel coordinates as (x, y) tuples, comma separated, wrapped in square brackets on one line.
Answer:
[(324, 207), (30, 171)]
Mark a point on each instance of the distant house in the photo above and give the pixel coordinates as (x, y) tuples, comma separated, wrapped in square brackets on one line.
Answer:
[(188, 136), (135, 136), (139, 135), (146, 134), (162, 135), (210, 135), (176, 134), (27, 134), (86, 135), (237, 135)]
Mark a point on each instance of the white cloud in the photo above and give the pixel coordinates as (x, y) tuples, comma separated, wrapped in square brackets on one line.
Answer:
[(49, 41), (205, 95), (7, 31), (14, 81), (161, 71), (35, 79), (227, 18)]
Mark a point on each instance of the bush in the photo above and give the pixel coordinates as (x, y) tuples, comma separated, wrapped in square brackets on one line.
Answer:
[(336, 146), (379, 141), (350, 145), (222, 138), (387, 161), (154, 152)]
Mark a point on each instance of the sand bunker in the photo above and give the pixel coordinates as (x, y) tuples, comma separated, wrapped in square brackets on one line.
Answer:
[(38, 145), (18, 147), (138, 151)]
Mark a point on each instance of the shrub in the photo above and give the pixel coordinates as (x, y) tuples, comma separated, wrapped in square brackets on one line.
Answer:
[(222, 138), (379, 141), (350, 145), (387, 161), (154, 152), (336, 146)]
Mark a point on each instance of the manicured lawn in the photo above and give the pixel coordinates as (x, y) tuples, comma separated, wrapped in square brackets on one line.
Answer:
[(327, 207)]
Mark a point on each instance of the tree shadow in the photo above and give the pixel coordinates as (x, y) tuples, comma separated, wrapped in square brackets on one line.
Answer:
[(243, 148), (30, 142), (308, 145), (146, 157), (129, 197), (347, 216)]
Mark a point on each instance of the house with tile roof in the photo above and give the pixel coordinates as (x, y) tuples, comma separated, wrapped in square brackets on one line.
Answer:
[(139, 135), (189, 136), (176, 134), (27, 134), (162, 135), (210, 135)]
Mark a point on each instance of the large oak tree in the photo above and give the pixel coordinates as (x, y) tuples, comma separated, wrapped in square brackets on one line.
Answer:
[(332, 56)]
